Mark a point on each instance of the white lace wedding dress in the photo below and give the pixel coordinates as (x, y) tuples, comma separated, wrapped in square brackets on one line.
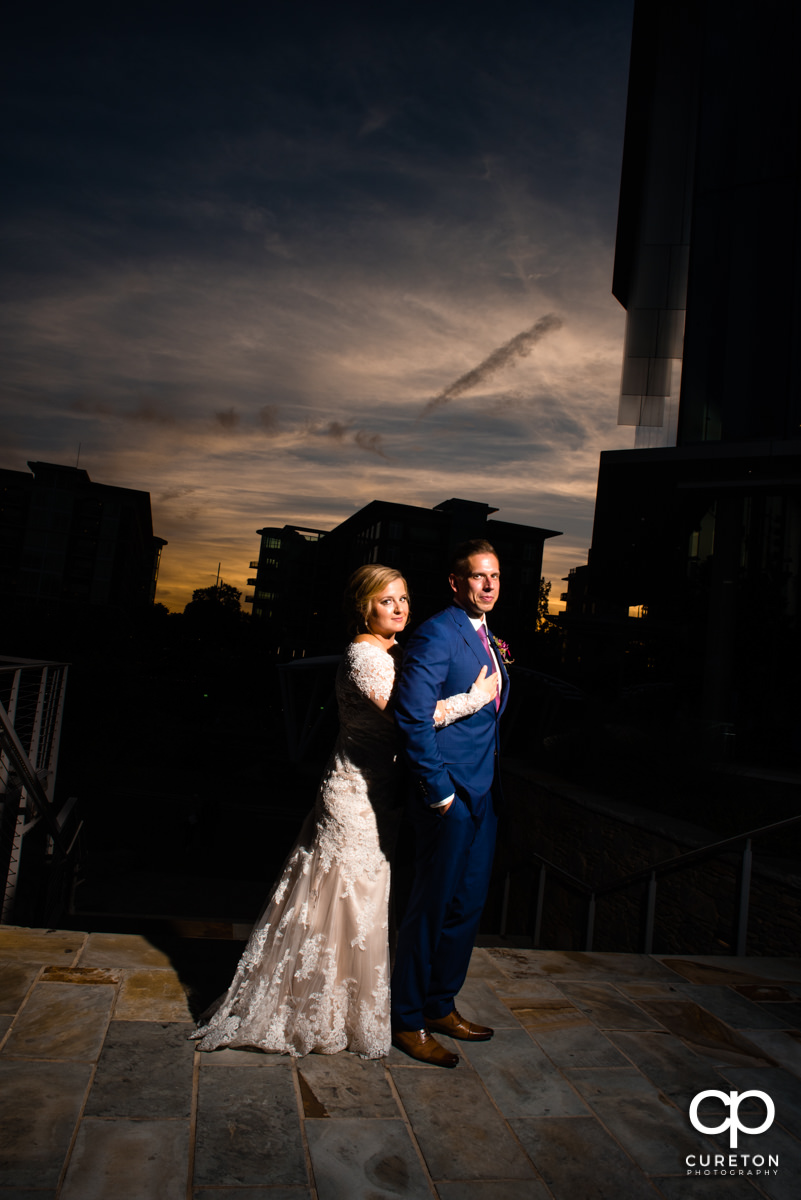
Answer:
[(315, 972)]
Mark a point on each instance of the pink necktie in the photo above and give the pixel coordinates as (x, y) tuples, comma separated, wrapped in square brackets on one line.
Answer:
[(482, 633)]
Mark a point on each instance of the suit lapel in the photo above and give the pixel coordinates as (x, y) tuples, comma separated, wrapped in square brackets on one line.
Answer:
[(462, 622)]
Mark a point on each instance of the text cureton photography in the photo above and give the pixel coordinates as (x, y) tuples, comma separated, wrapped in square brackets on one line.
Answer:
[(733, 1163)]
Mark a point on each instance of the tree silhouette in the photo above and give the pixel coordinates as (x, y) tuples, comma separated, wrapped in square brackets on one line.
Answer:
[(543, 619), (220, 595)]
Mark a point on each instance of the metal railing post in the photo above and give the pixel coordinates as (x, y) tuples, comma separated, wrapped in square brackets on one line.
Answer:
[(590, 922), (650, 913), (540, 903), (745, 897)]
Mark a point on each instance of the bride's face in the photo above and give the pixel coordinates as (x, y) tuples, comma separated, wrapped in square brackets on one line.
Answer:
[(389, 610)]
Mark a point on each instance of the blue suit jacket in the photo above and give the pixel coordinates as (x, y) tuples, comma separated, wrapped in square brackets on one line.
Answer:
[(443, 658)]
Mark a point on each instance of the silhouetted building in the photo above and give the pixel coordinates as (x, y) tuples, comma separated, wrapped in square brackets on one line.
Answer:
[(301, 573), (285, 577), (65, 540), (699, 526)]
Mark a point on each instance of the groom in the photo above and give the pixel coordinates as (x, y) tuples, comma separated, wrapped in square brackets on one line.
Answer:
[(455, 771)]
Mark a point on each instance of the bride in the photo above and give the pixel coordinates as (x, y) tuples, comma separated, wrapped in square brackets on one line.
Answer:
[(315, 972)]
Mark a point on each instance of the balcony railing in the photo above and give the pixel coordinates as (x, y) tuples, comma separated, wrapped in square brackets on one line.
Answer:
[(37, 842), (650, 876)]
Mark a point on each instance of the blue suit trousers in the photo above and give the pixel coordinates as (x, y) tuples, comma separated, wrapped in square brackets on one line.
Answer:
[(453, 864)]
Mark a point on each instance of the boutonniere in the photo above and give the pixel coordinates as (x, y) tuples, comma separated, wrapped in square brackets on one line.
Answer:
[(502, 650)]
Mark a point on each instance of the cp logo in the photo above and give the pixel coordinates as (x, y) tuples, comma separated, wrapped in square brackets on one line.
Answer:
[(733, 1100)]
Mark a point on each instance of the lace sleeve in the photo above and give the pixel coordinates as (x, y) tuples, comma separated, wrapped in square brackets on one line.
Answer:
[(463, 705), (372, 671)]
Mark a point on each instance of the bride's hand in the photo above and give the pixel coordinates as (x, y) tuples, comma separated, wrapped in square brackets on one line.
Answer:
[(487, 683)]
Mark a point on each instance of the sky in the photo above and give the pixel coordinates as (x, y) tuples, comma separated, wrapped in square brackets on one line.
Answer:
[(271, 262)]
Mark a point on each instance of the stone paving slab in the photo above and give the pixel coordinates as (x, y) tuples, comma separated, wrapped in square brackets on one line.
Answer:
[(27, 1194), (483, 966), (265, 1193), (573, 965), (494, 1189), (40, 1105), (558, 1013), (365, 1160), (606, 1007), (706, 1033), (683, 1187), (527, 989), (579, 1160), (673, 1067), (126, 950), (152, 995), (145, 1070), (248, 1128), (128, 1160), (478, 1001), (787, 1015), (648, 988), (343, 1085), (38, 946), (458, 1128), (520, 1077), (784, 1090), (16, 981), (736, 1010), (62, 1021), (710, 968), (582, 1094), (783, 1047), (584, 1046), (651, 1131)]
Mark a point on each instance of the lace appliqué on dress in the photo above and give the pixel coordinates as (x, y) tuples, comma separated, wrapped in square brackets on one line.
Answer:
[(372, 670), (463, 705)]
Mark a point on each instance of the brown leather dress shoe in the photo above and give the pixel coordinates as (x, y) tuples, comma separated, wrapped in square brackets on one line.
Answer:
[(419, 1044), (456, 1026)]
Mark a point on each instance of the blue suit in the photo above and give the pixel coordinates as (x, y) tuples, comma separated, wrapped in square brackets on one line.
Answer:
[(454, 850)]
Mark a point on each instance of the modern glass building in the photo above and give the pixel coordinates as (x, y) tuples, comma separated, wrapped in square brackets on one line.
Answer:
[(698, 527)]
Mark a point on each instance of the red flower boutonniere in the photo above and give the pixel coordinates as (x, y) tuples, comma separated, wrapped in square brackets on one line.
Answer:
[(502, 650)]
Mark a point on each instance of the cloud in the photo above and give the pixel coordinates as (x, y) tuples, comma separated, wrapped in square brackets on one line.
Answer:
[(268, 418), (337, 431), (176, 493), (238, 289), (370, 442), (334, 429), (229, 419), (519, 346), (151, 411)]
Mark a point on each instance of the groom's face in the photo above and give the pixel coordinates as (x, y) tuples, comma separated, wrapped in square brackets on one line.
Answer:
[(477, 590)]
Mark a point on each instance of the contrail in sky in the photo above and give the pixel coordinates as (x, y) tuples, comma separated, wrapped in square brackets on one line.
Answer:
[(519, 347)]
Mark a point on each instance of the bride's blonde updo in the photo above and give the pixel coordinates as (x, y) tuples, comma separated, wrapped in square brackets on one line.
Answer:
[(363, 586)]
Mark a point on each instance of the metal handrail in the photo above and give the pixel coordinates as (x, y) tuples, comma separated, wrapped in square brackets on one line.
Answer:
[(651, 874), (31, 713)]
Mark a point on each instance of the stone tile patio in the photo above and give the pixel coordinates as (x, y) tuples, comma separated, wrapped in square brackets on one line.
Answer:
[(583, 1094)]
